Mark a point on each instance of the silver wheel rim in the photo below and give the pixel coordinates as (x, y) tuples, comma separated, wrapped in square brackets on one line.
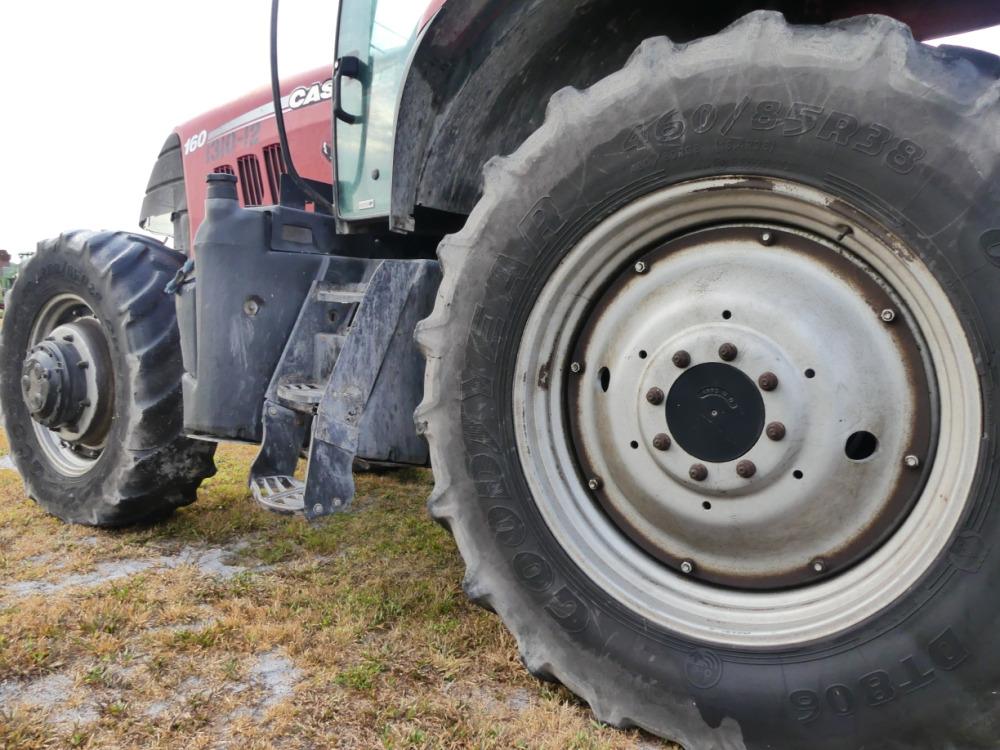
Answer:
[(669, 594), (68, 450)]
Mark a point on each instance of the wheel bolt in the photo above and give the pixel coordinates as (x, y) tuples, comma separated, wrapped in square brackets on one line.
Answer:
[(818, 566), (661, 441), (641, 267), (746, 469), (698, 472), (681, 359), (775, 431), (768, 381), (687, 567), (594, 483), (888, 315), (728, 352), (576, 367), (767, 238), (655, 396), (911, 461)]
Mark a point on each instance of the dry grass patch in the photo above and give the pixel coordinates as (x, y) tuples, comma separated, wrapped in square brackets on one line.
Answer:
[(228, 626)]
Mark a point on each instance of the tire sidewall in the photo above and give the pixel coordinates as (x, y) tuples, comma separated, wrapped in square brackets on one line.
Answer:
[(922, 664)]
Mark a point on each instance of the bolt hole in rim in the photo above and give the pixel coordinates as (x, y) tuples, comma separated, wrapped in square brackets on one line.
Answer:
[(610, 554), (860, 446), (604, 375), (71, 452)]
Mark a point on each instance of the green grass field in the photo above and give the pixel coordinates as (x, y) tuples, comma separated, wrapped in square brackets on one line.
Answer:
[(227, 626)]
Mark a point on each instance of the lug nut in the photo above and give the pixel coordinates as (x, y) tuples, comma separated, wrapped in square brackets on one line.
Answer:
[(767, 238), (661, 441), (888, 315), (911, 461), (594, 483), (698, 472), (681, 359), (768, 381), (655, 396), (746, 469), (641, 267), (775, 431), (687, 567), (728, 352), (576, 367), (818, 566)]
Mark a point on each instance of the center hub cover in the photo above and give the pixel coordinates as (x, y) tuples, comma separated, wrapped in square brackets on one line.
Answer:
[(715, 412)]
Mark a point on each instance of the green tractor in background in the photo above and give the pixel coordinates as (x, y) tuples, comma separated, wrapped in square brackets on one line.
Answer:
[(8, 275)]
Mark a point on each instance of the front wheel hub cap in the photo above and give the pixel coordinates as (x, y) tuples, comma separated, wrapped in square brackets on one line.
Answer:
[(52, 385), (67, 384)]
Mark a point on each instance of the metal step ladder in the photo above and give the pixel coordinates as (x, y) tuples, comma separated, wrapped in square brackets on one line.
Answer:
[(279, 493), (351, 341)]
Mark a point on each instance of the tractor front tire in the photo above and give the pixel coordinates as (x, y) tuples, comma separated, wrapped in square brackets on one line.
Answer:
[(90, 382), (711, 391)]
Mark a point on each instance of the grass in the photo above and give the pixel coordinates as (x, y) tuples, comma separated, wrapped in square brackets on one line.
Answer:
[(227, 625)]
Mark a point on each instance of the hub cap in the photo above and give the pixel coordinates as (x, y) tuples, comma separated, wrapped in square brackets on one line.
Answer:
[(715, 412), (66, 384), (762, 418)]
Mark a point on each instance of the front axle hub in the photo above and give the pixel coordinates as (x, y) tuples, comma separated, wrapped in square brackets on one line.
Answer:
[(52, 384), (67, 384)]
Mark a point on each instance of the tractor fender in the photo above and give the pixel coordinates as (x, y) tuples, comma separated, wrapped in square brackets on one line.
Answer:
[(483, 71)]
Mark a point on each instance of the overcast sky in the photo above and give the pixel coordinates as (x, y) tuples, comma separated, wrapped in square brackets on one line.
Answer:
[(91, 88)]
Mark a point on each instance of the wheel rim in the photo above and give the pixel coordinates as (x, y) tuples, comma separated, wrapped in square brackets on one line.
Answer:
[(67, 384), (808, 533)]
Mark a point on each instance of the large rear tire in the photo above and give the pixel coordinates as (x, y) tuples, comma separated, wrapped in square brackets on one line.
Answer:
[(823, 201), (90, 371)]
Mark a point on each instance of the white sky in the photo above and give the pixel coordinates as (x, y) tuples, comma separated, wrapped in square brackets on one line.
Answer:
[(89, 89)]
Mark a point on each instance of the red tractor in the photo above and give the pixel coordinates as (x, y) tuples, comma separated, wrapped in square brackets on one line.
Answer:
[(705, 357)]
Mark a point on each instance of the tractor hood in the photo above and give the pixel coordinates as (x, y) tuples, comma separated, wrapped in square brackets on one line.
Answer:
[(239, 138)]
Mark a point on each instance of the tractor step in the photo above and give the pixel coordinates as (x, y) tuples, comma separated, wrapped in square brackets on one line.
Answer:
[(345, 388), (279, 493), (300, 396)]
